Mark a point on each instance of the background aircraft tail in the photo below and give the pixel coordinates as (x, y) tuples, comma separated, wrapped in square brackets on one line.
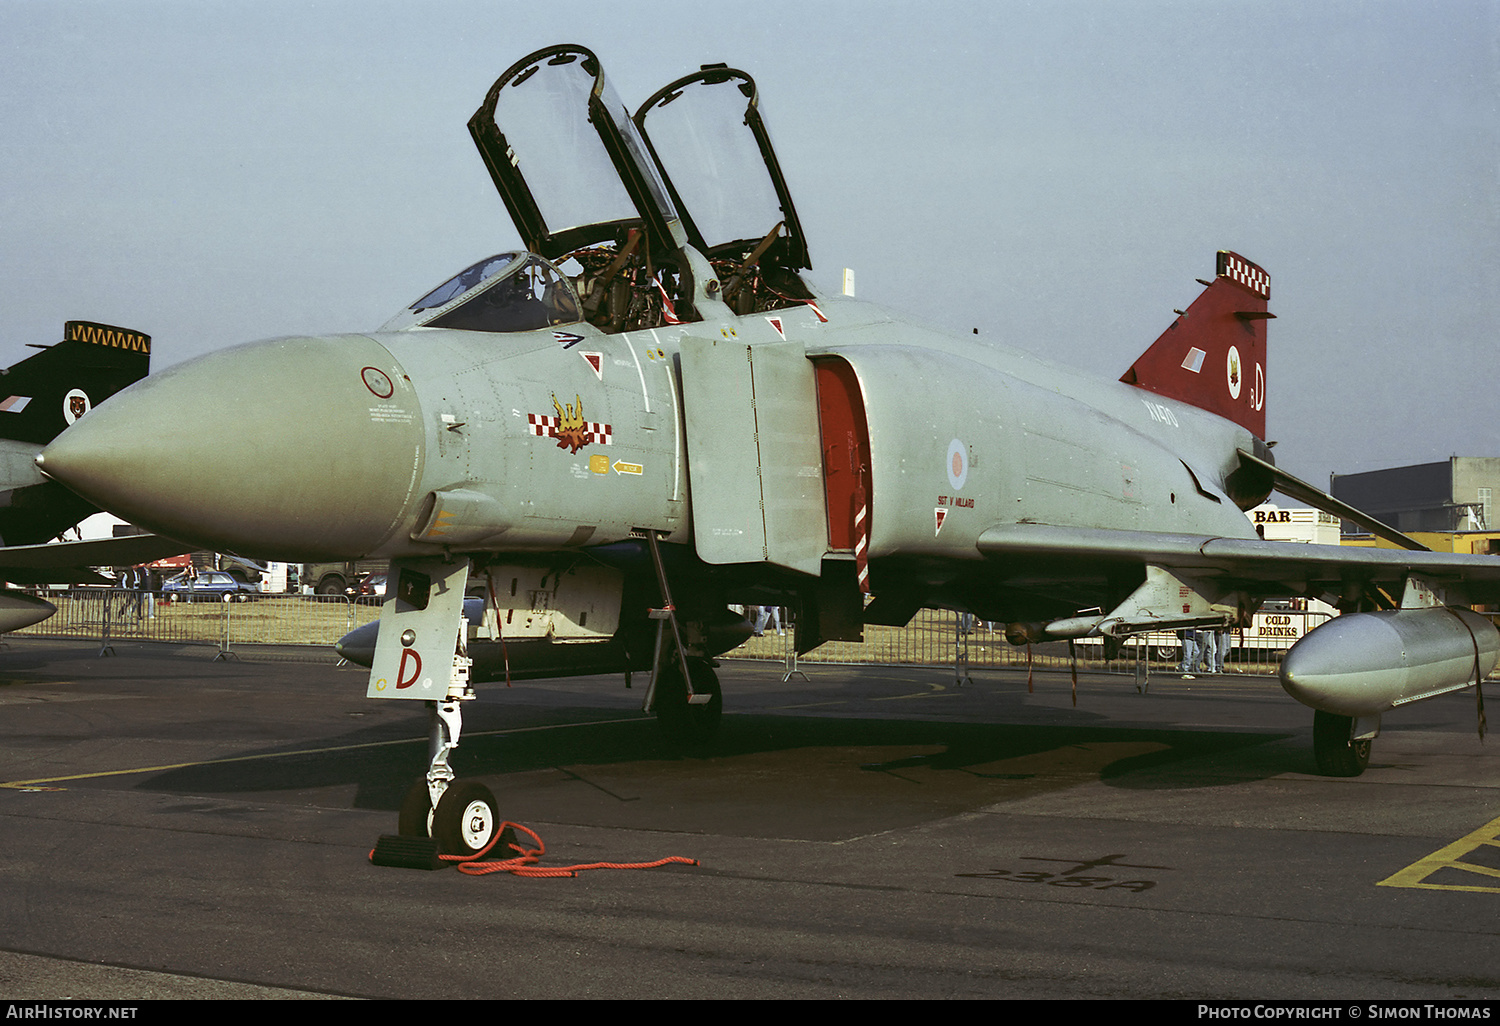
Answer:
[(40, 396), (46, 392), (1214, 355)]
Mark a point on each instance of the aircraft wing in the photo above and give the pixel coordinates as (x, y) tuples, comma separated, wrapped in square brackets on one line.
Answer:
[(1265, 569), (73, 562)]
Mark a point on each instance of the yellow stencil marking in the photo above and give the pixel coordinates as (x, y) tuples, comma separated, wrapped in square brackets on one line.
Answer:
[(1451, 857)]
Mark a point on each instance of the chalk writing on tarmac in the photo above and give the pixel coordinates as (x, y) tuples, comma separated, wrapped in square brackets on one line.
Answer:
[(1077, 874)]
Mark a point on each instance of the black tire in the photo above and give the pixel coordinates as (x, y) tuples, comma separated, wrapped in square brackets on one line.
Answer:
[(331, 586), (466, 818), (416, 812), (684, 724), (1334, 748)]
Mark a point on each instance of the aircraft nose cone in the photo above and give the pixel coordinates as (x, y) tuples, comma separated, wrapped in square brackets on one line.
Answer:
[(296, 449)]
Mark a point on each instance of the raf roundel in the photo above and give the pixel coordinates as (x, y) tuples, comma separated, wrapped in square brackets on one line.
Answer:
[(958, 464), (377, 382)]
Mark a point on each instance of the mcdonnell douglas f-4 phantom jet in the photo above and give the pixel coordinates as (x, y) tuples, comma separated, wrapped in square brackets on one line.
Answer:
[(650, 414)]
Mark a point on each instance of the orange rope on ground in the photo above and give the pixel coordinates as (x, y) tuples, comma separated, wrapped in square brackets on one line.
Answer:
[(524, 863)]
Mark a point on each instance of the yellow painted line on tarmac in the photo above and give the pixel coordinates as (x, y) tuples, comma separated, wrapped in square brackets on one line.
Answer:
[(40, 781), (1451, 858), (933, 691)]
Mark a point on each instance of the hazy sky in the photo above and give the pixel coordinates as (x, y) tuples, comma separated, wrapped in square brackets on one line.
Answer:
[(1053, 173)]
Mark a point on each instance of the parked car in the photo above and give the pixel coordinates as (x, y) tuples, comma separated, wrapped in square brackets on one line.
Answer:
[(208, 586)]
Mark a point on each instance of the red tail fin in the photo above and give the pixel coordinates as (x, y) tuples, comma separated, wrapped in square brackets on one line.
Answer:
[(1214, 355)]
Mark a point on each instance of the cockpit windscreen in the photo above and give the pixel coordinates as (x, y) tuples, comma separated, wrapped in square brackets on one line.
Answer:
[(505, 292), (465, 280)]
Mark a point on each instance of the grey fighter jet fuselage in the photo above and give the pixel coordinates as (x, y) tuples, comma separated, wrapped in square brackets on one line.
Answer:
[(649, 415)]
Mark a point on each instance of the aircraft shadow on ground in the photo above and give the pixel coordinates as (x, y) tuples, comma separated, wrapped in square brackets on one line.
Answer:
[(968, 762)]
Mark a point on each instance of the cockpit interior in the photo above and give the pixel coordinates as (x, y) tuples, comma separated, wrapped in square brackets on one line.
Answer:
[(630, 221)]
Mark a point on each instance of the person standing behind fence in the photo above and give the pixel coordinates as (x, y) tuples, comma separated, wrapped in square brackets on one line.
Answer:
[(1190, 653), (1209, 640), (140, 582), (121, 602), (1221, 651), (773, 618)]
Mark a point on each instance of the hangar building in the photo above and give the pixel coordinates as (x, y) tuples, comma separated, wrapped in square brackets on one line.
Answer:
[(1457, 494)]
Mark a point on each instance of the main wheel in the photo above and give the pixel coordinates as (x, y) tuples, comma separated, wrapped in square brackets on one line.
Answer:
[(416, 812), (682, 723), (465, 820), (1335, 750)]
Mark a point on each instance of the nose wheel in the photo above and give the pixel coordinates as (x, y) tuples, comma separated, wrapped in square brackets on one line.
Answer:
[(463, 822), (465, 819), (460, 815), (416, 812)]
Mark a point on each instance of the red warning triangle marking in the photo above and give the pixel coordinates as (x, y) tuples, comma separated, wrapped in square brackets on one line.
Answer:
[(596, 361), (775, 322)]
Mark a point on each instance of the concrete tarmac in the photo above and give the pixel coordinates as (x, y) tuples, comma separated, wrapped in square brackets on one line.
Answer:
[(176, 827)]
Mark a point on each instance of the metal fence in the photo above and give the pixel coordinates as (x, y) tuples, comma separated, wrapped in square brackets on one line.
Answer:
[(933, 638), (937, 637), (107, 615)]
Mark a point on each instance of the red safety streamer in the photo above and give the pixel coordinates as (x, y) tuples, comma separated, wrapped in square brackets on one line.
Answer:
[(524, 862)]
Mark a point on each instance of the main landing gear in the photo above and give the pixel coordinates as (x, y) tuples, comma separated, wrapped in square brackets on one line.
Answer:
[(684, 691), (687, 723), (1336, 748)]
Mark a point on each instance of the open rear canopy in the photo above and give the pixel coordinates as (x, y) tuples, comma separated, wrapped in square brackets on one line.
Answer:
[(712, 150)]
